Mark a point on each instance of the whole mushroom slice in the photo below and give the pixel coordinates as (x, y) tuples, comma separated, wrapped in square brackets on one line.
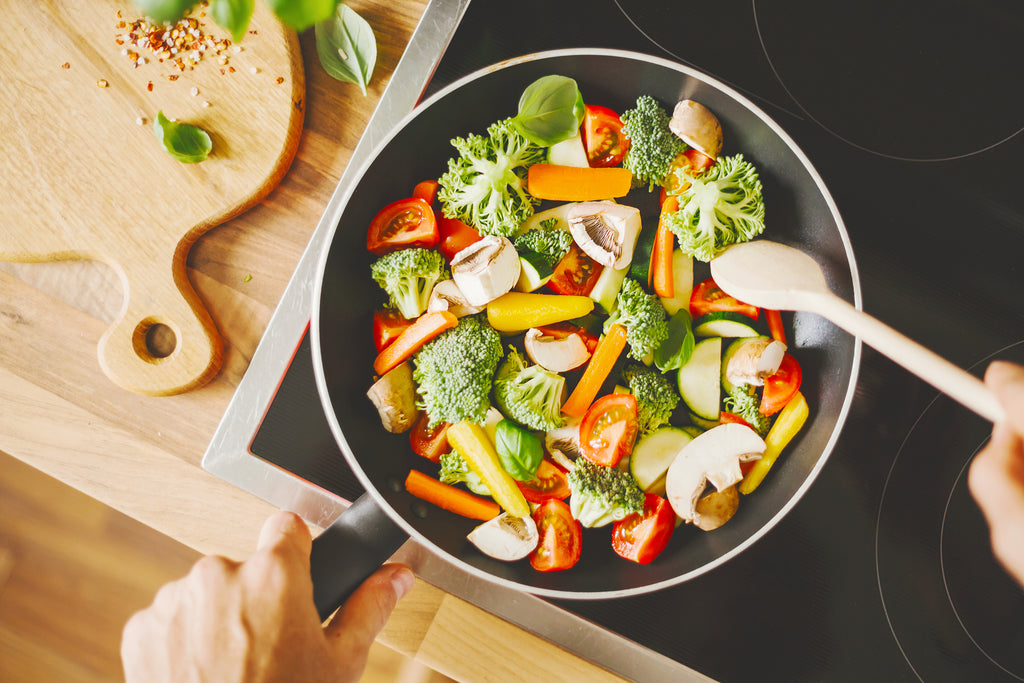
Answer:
[(394, 396), (565, 439), (486, 269), (446, 296), (712, 457), (695, 125), (716, 508), (755, 359), (506, 537), (605, 231), (554, 354)]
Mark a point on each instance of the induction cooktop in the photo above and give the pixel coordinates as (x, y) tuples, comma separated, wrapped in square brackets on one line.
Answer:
[(912, 113)]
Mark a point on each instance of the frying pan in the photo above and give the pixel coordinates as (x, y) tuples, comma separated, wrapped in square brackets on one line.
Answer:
[(799, 211)]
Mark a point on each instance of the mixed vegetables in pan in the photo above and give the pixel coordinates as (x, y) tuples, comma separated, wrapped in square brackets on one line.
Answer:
[(543, 341)]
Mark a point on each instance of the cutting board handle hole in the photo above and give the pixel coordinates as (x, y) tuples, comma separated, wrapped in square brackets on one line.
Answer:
[(154, 340)]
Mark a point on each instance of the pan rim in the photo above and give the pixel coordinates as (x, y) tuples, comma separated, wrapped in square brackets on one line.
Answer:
[(340, 203)]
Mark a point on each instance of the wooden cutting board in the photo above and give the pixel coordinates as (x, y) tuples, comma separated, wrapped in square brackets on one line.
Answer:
[(82, 174)]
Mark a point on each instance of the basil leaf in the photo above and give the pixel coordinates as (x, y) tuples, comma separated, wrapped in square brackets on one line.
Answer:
[(232, 15), (301, 14), (551, 109), (164, 11), (347, 47), (676, 350), (519, 450), (187, 143)]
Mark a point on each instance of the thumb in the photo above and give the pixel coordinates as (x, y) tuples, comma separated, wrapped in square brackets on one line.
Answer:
[(356, 625)]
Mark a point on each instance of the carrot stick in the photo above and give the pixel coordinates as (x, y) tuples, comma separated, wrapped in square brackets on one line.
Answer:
[(775, 327), (578, 184), (423, 329), (426, 190), (450, 498), (608, 350), (660, 273)]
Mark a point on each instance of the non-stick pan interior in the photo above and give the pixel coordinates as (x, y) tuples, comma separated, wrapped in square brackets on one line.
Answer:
[(798, 212)]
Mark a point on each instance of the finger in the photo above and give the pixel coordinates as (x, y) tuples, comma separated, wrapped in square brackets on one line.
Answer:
[(287, 531), (362, 617), (1007, 382)]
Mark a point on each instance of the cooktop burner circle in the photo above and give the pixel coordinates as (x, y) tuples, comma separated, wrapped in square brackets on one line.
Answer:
[(953, 610), (915, 80)]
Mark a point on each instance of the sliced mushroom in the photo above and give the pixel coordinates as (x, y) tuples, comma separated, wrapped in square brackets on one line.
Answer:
[(506, 537), (714, 457), (561, 459), (486, 269), (554, 354), (695, 125), (605, 231), (446, 296), (756, 359), (717, 508), (565, 438), (394, 396)]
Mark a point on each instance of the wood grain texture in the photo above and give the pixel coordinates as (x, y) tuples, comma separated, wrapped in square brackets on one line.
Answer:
[(97, 183), (139, 454)]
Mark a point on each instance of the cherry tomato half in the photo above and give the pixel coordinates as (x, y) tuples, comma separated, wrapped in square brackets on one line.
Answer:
[(643, 535), (388, 324), (575, 274), (429, 442), (602, 136), (405, 223), (781, 387), (707, 297), (549, 482), (454, 236), (609, 429), (561, 537), (426, 190)]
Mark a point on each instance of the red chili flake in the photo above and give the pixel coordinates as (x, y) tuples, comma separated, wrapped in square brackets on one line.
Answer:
[(149, 86), (66, 65)]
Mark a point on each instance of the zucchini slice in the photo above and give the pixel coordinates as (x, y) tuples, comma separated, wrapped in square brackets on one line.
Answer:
[(700, 380), (724, 324), (654, 453)]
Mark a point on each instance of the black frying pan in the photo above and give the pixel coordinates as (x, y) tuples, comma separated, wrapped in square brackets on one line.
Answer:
[(799, 211)]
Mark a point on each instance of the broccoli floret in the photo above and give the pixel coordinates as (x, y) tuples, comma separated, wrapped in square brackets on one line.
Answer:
[(642, 315), (602, 495), (656, 396), (454, 372), (717, 207), (529, 394), (408, 275), (454, 470), (652, 145), (485, 186), (551, 243), (742, 401)]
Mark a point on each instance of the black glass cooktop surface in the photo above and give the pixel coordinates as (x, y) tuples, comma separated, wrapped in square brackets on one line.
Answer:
[(911, 112)]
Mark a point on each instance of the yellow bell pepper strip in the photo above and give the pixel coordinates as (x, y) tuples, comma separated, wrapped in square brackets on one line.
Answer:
[(607, 352), (518, 311), (790, 421), (475, 447), (450, 498)]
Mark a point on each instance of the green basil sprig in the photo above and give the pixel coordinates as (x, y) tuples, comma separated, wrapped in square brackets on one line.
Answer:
[(347, 47), (519, 450), (551, 109), (233, 15), (676, 350), (301, 14), (187, 143)]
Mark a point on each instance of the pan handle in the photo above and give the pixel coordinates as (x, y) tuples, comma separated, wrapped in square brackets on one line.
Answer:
[(354, 546)]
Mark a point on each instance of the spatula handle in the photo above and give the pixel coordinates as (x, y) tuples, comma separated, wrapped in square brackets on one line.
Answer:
[(926, 364)]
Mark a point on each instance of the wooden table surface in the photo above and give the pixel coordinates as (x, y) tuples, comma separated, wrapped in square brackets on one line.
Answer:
[(141, 455)]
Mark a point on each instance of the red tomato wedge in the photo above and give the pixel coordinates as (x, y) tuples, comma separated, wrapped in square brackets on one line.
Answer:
[(426, 190), (549, 482), (602, 136), (707, 297), (576, 274), (388, 325), (781, 386), (642, 536), (431, 443), (608, 430), (561, 537), (454, 236), (405, 223)]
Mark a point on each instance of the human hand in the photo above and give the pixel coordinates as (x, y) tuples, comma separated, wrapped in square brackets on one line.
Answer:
[(996, 477), (255, 621)]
